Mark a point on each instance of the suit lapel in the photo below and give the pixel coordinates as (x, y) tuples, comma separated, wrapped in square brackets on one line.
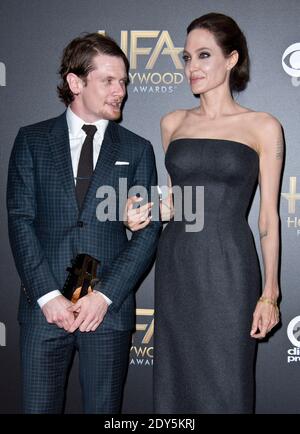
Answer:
[(105, 164), (60, 148)]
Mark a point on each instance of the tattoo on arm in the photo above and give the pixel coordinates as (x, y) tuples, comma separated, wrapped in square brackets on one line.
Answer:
[(279, 150), (263, 234)]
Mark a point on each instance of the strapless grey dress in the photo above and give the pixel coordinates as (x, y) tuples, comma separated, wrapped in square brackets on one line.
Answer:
[(207, 284)]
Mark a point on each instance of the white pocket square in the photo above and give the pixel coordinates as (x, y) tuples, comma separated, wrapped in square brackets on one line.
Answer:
[(122, 163)]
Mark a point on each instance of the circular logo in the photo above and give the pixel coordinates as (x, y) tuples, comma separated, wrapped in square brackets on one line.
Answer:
[(293, 331), (292, 56)]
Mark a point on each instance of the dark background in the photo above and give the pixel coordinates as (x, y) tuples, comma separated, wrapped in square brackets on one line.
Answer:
[(33, 34)]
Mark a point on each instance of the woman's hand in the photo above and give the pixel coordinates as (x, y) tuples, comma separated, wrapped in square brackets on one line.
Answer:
[(136, 218), (265, 317), (166, 207)]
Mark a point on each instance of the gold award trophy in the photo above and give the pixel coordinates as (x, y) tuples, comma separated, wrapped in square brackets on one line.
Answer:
[(82, 277)]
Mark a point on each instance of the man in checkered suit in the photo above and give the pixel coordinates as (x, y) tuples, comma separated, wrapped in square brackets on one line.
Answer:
[(49, 225)]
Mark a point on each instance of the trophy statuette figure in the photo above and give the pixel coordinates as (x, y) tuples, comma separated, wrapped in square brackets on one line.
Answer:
[(82, 277)]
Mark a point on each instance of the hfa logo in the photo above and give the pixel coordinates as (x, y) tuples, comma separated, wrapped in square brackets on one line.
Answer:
[(146, 51), (142, 350), (292, 196), (2, 335)]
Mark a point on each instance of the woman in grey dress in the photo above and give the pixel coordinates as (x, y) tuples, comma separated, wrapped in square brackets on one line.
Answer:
[(209, 307)]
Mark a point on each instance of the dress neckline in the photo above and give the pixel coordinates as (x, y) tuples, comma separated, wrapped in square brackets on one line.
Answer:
[(219, 140)]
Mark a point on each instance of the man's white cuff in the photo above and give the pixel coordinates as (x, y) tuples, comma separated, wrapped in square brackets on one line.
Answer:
[(47, 297), (108, 300)]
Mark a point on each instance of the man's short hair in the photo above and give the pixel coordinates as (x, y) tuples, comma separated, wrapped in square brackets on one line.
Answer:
[(78, 59)]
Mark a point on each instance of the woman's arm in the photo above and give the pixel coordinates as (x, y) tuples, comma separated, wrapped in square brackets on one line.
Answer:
[(271, 159)]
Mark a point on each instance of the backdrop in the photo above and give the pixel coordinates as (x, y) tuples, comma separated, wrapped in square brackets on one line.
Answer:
[(152, 33)]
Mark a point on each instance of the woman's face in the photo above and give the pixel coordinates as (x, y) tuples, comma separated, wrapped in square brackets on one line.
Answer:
[(206, 67)]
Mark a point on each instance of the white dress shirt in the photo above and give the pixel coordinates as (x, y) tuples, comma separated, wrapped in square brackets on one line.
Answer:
[(76, 138)]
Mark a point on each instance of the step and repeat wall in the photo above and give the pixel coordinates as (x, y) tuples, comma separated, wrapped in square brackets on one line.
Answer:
[(152, 34)]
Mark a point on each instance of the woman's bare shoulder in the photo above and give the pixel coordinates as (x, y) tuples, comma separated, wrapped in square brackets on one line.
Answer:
[(264, 125), (263, 119), (169, 124), (171, 120), (269, 132)]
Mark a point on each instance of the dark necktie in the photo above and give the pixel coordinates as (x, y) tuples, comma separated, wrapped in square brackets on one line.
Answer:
[(85, 165)]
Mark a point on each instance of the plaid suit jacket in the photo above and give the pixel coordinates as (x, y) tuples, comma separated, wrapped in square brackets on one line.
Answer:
[(47, 229)]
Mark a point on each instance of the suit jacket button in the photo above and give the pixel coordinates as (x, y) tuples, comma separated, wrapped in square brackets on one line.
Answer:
[(80, 224)]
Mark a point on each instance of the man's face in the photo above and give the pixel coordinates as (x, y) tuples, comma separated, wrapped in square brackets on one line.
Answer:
[(102, 95)]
